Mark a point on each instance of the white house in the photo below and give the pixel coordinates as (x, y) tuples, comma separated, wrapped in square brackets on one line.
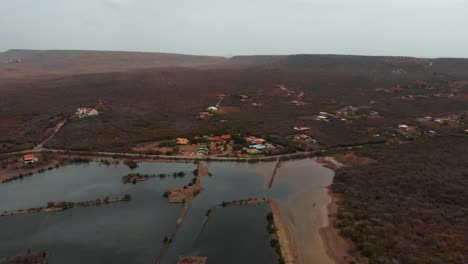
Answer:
[(82, 112)]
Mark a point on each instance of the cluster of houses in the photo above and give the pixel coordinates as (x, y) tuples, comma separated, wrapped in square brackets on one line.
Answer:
[(454, 118), (84, 112), (254, 146), (355, 112), (257, 145)]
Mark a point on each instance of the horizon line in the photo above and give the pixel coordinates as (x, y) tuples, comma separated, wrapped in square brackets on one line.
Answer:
[(238, 55)]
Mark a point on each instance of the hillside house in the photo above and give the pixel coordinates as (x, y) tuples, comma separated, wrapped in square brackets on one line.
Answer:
[(303, 138), (215, 138), (254, 140), (182, 141), (301, 128), (83, 112), (226, 137), (204, 115), (28, 159), (212, 109), (258, 147)]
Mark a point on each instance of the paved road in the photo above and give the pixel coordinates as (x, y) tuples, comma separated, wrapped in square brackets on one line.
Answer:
[(177, 157)]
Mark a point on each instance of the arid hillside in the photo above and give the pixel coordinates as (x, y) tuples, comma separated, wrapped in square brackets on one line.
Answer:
[(151, 96), (37, 63)]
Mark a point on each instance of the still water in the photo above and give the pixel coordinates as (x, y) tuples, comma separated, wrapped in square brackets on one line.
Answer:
[(133, 232)]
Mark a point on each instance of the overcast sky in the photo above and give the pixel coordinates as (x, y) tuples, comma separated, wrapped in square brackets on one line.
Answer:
[(425, 28)]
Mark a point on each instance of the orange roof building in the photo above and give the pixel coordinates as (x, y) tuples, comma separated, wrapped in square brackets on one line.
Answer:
[(226, 137), (182, 141)]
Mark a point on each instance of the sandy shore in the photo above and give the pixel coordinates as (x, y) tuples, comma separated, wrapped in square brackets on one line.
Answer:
[(288, 249), (203, 169), (337, 246)]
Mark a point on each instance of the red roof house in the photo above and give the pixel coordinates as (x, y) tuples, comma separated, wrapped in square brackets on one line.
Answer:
[(226, 137), (29, 158)]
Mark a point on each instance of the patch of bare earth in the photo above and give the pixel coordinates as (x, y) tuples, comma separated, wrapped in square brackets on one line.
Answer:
[(330, 163), (192, 260), (344, 160), (184, 194), (187, 193), (351, 159), (203, 169), (229, 109)]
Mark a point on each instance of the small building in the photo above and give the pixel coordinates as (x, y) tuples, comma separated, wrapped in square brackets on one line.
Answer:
[(401, 126), (302, 138), (254, 140), (258, 147), (253, 151), (182, 141), (29, 158), (83, 112), (202, 150), (212, 108), (215, 138), (301, 128), (226, 137), (244, 97), (204, 115)]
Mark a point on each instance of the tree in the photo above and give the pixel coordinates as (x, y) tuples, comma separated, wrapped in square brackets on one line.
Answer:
[(131, 164)]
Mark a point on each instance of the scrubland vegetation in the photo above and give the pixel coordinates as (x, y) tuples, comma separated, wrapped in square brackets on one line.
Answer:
[(411, 206)]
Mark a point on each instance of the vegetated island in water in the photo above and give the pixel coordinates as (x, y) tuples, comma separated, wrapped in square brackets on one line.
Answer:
[(137, 177), (192, 260), (55, 207), (39, 257)]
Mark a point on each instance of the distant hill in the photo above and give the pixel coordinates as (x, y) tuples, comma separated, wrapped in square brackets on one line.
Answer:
[(21, 63)]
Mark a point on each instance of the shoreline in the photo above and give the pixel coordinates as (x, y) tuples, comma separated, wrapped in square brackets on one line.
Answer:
[(337, 247), (287, 246)]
